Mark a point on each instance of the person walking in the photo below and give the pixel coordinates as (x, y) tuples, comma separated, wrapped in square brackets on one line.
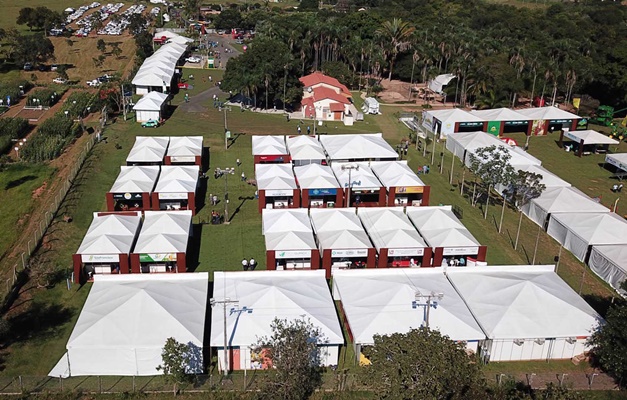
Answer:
[(252, 264), (245, 264), (298, 129)]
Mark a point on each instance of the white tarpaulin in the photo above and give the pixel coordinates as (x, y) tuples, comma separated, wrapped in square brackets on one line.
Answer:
[(137, 179), (148, 149), (576, 233), (547, 114), (269, 146), (360, 179), (184, 146), (110, 234), (529, 312), (126, 320), (158, 70), (589, 137), (610, 263), (178, 179), (395, 174), (436, 84), (389, 228), (618, 160), (560, 200), (152, 101), (164, 232), (316, 176), (339, 229), (305, 148), (290, 220), (275, 177), (361, 147), (463, 142), (441, 228), (263, 296)]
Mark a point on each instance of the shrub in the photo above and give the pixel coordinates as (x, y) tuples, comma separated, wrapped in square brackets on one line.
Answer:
[(77, 103), (43, 97), (52, 136), (10, 129), (12, 88)]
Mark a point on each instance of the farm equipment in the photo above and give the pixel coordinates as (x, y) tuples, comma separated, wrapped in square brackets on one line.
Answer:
[(605, 115)]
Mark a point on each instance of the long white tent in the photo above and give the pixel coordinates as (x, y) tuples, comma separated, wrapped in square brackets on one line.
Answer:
[(444, 122), (148, 150), (547, 114), (259, 298), (610, 263), (109, 236), (362, 147), (618, 160), (577, 234), (305, 150), (500, 114), (560, 200), (126, 320), (184, 149), (157, 71), (316, 176), (395, 174), (463, 142), (527, 312), (136, 179)]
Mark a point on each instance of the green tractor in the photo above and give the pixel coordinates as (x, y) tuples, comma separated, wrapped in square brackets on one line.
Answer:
[(605, 115)]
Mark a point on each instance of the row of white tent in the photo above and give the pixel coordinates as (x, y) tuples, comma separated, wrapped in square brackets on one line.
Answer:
[(175, 179), (154, 149)]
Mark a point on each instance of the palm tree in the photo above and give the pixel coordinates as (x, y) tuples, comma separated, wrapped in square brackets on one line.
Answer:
[(398, 32), (490, 100)]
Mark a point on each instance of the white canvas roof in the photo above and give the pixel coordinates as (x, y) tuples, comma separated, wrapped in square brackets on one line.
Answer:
[(395, 174), (290, 220), (275, 176), (135, 179), (362, 178), (389, 228), (454, 115), (164, 232), (263, 296), (126, 320), (618, 160), (269, 145), (305, 148), (462, 142), (178, 179), (546, 113), (589, 137), (357, 147), (610, 263), (440, 227), (148, 149), (440, 81), (383, 301), (110, 234), (339, 229), (185, 146), (523, 302), (171, 35), (158, 69), (499, 114), (289, 241), (520, 158), (316, 176), (560, 200), (576, 233), (152, 101)]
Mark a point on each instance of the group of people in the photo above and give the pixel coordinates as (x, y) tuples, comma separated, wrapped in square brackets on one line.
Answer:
[(216, 218), (423, 170), (617, 188), (249, 265), (454, 262)]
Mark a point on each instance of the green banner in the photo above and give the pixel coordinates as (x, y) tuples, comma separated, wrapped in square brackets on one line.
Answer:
[(494, 127), (162, 257)]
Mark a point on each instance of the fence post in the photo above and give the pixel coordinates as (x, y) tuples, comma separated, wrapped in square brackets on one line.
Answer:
[(23, 262), (21, 384), (61, 382), (133, 383), (99, 384)]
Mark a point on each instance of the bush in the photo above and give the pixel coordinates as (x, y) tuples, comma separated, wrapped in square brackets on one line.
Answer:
[(51, 139), (77, 103), (10, 129), (43, 97), (12, 89)]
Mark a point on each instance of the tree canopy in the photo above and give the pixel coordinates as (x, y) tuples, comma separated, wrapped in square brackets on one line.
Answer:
[(609, 343)]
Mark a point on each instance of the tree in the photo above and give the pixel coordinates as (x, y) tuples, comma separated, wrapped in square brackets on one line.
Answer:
[(308, 5), (175, 361), (228, 19), (295, 356), (62, 71), (192, 9), (33, 48), (395, 36), (422, 364), (524, 187), (101, 45), (26, 17), (115, 49), (491, 165), (609, 344)]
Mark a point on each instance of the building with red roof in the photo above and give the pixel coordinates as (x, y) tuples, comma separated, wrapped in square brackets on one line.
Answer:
[(318, 79), (326, 99)]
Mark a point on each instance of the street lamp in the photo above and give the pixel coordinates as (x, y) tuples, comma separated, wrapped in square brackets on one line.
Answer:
[(430, 302), (226, 172), (350, 168), (313, 98)]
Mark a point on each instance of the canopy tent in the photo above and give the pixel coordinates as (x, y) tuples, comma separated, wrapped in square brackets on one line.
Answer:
[(270, 149), (618, 160), (289, 238), (158, 70), (502, 120), (263, 296), (184, 149), (361, 179), (463, 142), (109, 234), (576, 234), (546, 113), (305, 149), (150, 106), (500, 114), (548, 179), (445, 122), (527, 312), (148, 150), (126, 321), (278, 221), (316, 176), (361, 147), (291, 241), (589, 137), (395, 174), (560, 200), (177, 179), (610, 263), (549, 119), (437, 84), (275, 177), (385, 301), (136, 179)]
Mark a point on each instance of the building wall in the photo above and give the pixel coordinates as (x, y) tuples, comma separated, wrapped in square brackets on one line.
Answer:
[(142, 116), (529, 349)]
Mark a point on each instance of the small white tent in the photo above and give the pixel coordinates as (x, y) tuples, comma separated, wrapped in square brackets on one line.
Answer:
[(360, 179), (148, 150), (589, 137), (109, 235), (395, 174), (150, 107), (292, 220), (136, 179), (362, 147), (610, 263), (560, 200), (305, 150), (184, 149), (618, 160), (316, 176)]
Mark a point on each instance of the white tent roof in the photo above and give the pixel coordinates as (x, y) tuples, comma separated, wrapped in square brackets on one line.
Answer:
[(110, 234), (595, 228), (263, 296), (389, 228), (288, 241), (589, 137), (362, 178), (184, 146), (171, 35), (148, 149), (439, 81), (618, 160), (383, 302), (126, 320), (461, 142), (549, 180), (440, 227), (275, 176), (546, 113), (339, 229), (316, 176), (305, 148), (395, 174), (269, 145), (152, 101), (610, 263), (164, 232), (357, 147), (290, 220), (158, 69), (500, 114), (523, 302), (454, 115), (520, 158), (560, 200), (178, 179), (136, 179)]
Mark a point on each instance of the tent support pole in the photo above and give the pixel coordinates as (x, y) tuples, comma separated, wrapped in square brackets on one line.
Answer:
[(535, 251), (559, 255), (452, 165)]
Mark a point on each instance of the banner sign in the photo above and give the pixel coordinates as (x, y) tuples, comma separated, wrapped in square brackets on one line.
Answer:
[(293, 254), (322, 192), (494, 127), (561, 121), (349, 253), (570, 135), (127, 196), (157, 257), (616, 163), (472, 124), (538, 127), (271, 158), (98, 258), (182, 159), (460, 251), (406, 252), (582, 124), (279, 193), (516, 123), (410, 189), (427, 122), (172, 196)]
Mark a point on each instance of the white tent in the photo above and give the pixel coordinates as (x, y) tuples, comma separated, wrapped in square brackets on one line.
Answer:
[(576, 234), (297, 243), (305, 150), (316, 176), (463, 142), (148, 149), (136, 179), (547, 114), (589, 137), (150, 106), (610, 263), (126, 320), (443, 121), (361, 147), (549, 180), (389, 228), (500, 114), (164, 232), (528, 312), (109, 236), (395, 174), (384, 302), (361, 179), (618, 160), (263, 296), (339, 229), (177, 179), (184, 148), (560, 200), (157, 71), (279, 221), (269, 145), (437, 84), (170, 35), (275, 177), (434, 217)]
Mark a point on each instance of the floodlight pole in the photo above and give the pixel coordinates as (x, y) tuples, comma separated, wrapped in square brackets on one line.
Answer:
[(350, 168), (226, 172), (224, 303), (313, 98), (429, 298)]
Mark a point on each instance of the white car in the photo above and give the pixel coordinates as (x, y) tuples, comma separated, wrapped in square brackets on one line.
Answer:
[(193, 59), (94, 83), (60, 81)]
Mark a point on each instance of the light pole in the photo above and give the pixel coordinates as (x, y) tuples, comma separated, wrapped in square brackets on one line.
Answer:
[(430, 300), (313, 98), (350, 168), (226, 172), (224, 303)]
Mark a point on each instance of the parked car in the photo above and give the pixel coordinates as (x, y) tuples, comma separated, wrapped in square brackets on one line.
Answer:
[(42, 67), (94, 83), (54, 67), (151, 123), (28, 67), (193, 59), (60, 81)]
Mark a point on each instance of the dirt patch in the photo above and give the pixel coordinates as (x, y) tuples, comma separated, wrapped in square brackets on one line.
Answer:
[(39, 191)]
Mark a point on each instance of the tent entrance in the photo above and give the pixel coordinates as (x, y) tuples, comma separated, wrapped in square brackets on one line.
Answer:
[(293, 263), (151, 268), (364, 198), (128, 205), (279, 201), (413, 199), (181, 204), (349, 262), (404, 262), (101, 269), (322, 202)]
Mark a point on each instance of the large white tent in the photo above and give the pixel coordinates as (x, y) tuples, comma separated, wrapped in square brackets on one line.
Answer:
[(618, 160), (289, 239), (589, 137), (463, 142), (316, 176), (500, 114), (361, 147), (360, 179), (387, 301), (126, 320), (150, 107), (527, 312), (560, 200), (177, 180), (109, 236), (610, 263), (275, 177), (148, 150), (260, 297), (445, 122), (395, 174), (268, 146), (292, 220), (136, 179), (577, 234), (157, 71), (305, 150), (547, 114), (184, 149)]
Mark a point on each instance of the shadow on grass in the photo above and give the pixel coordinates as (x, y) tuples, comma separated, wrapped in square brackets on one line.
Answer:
[(201, 194), (39, 321), (237, 210), (18, 182), (601, 304), (234, 139)]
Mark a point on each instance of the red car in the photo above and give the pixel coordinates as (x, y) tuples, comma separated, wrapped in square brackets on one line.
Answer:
[(183, 85)]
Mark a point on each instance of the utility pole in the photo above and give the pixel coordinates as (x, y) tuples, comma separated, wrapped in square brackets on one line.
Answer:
[(226, 301), (226, 172), (350, 168), (123, 101), (429, 298), (226, 132)]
